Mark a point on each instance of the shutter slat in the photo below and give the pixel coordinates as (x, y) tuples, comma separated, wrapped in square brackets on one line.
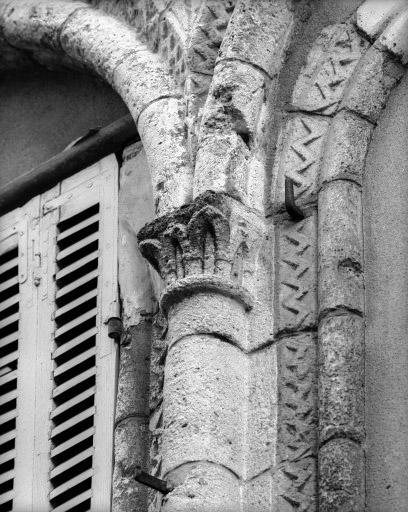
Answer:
[(9, 302), (10, 358), (73, 441), (62, 388), (7, 397), (13, 263), (76, 284), (71, 483), (11, 375), (73, 421), (8, 437), (74, 361), (74, 501), (9, 320), (61, 468), (8, 416), (11, 338), (77, 227), (77, 321), (74, 342), (5, 457), (9, 283), (77, 246), (70, 403), (7, 475), (8, 496), (77, 265), (75, 303)]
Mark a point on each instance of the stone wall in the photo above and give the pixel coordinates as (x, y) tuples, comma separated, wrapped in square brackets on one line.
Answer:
[(244, 345)]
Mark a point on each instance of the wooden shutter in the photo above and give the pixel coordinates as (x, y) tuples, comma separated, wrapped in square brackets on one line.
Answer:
[(18, 302), (74, 271)]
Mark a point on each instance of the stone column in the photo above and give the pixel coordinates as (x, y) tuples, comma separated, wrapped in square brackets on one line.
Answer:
[(203, 253)]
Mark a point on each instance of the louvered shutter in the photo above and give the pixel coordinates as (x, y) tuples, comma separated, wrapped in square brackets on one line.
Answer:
[(74, 272), (18, 333)]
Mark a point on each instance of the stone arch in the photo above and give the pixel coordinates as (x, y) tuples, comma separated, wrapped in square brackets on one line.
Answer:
[(79, 35), (341, 107)]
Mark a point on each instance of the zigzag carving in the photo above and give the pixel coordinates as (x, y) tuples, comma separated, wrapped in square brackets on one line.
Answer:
[(307, 155), (330, 64), (297, 289), (297, 423)]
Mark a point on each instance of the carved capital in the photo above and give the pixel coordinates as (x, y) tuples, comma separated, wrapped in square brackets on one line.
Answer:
[(212, 236)]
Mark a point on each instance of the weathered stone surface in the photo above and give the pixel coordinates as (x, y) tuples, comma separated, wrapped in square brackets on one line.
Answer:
[(297, 276), (299, 157), (113, 51), (161, 130), (203, 487), (208, 34), (346, 148), (204, 313), (373, 16), (341, 378), (214, 238), (260, 444), (341, 477), (229, 124), (204, 402), (39, 20), (258, 33), (297, 421), (340, 247), (329, 66), (374, 79), (259, 493), (395, 37), (131, 437)]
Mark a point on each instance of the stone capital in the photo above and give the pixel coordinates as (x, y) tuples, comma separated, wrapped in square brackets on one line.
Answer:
[(205, 244)]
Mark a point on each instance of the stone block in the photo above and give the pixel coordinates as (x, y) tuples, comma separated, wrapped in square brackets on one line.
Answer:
[(373, 15), (329, 65), (259, 493), (202, 487), (346, 148), (297, 279), (204, 313), (340, 247), (258, 33), (341, 377), (395, 37), (296, 486), (207, 36), (368, 91), (341, 477), (40, 21), (204, 399), (229, 125), (297, 423), (299, 157), (260, 445), (161, 130)]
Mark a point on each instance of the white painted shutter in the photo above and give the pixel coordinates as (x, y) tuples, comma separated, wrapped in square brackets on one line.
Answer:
[(18, 302), (74, 268)]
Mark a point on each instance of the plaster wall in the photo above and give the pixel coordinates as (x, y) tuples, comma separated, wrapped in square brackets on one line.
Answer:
[(386, 261), (42, 111)]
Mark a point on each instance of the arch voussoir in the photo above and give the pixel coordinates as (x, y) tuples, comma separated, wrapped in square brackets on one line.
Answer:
[(91, 39)]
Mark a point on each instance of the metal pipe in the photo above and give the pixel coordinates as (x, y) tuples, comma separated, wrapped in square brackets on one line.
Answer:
[(86, 151), (292, 208)]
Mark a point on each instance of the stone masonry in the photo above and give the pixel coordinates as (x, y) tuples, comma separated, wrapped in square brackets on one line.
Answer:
[(241, 376)]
